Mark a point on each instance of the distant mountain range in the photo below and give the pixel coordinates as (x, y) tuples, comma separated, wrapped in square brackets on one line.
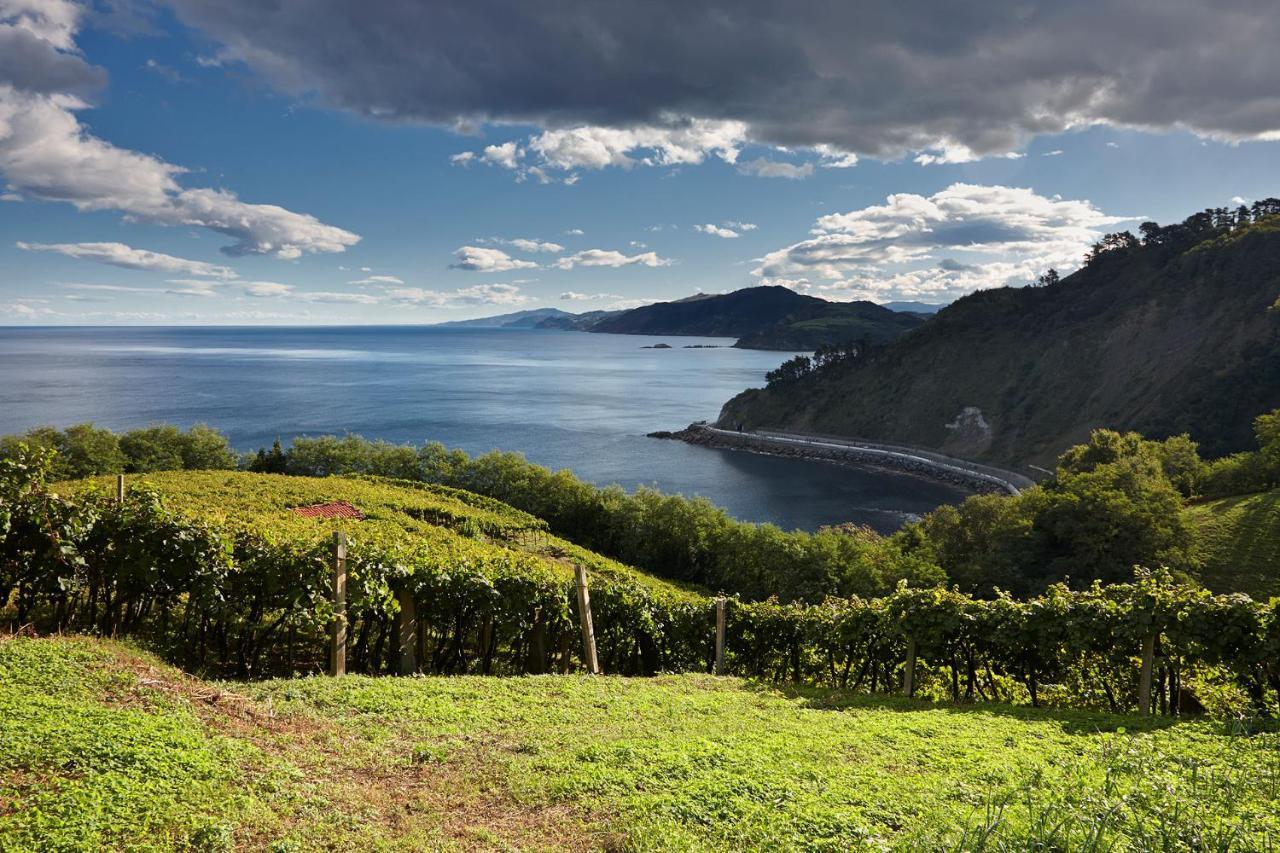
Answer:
[(1176, 332), (530, 319), (774, 318)]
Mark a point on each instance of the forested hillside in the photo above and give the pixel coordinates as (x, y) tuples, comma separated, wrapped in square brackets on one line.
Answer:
[(761, 318), (1176, 331)]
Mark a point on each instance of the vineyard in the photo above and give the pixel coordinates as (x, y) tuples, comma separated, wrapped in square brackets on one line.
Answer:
[(221, 574)]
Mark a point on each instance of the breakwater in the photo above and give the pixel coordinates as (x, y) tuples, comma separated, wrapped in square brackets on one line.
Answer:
[(980, 478)]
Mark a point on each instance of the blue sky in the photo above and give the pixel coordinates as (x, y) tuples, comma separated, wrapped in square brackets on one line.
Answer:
[(142, 200)]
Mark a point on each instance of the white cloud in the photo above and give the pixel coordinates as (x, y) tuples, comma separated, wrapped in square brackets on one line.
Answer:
[(1057, 152), (47, 154), (120, 255), (763, 168), (462, 158), (947, 152), (526, 245), (740, 226), (377, 280), (337, 297), (267, 289), (480, 294), (679, 143), (717, 231), (574, 296), (901, 248), (15, 197), (507, 155), (481, 259), (610, 258), (574, 232), (834, 158), (491, 294), (1238, 200)]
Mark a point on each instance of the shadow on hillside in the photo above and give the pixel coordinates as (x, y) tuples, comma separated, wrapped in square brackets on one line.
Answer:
[(1070, 721)]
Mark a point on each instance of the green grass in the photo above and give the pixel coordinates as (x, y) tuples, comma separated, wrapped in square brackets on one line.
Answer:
[(1240, 541), (105, 747)]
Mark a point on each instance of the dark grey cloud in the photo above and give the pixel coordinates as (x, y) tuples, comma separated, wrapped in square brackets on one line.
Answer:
[(874, 78), (26, 62)]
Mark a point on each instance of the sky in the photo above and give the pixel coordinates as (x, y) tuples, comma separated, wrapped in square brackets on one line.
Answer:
[(393, 161)]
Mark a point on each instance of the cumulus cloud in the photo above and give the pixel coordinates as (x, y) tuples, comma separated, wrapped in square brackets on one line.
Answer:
[(480, 294), (610, 258), (377, 280), (1008, 235), (47, 154), (740, 226), (574, 232), (575, 296), (482, 259), (897, 81), (267, 289), (764, 168), (717, 231), (525, 244), (120, 255)]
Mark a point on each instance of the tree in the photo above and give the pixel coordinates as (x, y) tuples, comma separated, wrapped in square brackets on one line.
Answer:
[(1048, 278), (274, 461), (204, 448)]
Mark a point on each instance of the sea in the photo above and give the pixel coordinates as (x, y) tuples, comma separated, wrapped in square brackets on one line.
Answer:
[(564, 399)]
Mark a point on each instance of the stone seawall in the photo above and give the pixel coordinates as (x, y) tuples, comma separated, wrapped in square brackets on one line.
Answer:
[(853, 453)]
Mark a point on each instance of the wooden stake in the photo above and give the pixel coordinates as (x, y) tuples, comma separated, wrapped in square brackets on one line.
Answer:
[(338, 632), (407, 630), (120, 488), (588, 632), (1144, 678), (909, 671), (536, 660), (566, 640), (720, 608)]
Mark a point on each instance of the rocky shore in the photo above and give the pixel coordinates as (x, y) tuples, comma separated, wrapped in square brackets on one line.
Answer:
[(919, 463)]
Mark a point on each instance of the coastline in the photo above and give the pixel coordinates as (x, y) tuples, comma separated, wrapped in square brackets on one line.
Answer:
[(919, 462)]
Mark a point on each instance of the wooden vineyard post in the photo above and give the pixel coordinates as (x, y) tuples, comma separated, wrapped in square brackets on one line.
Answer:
[(407, 631), (1144, 678), (338, 631), (536, 660), (119, 488), (909, 671), (565, 641), (720, 608), (588, 632)]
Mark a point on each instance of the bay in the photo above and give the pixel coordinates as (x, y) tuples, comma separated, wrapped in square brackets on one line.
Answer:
[(564, 399)]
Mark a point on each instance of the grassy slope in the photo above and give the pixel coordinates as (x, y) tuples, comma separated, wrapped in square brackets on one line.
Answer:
[(103, 746), (263, 501), (1240, 537)]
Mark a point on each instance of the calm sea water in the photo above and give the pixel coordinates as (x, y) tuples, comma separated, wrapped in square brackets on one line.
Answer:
[(564, 399)]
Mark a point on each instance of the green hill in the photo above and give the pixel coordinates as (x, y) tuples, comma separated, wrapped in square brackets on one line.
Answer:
[(415, 515), (1172, 334), (1240, 543), (763, 318), (104, 747)]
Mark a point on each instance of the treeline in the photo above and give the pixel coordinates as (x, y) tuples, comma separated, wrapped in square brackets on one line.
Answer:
[(826, 356), (85, 450), (1180, 236), (1112, 504), (254, 602)]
